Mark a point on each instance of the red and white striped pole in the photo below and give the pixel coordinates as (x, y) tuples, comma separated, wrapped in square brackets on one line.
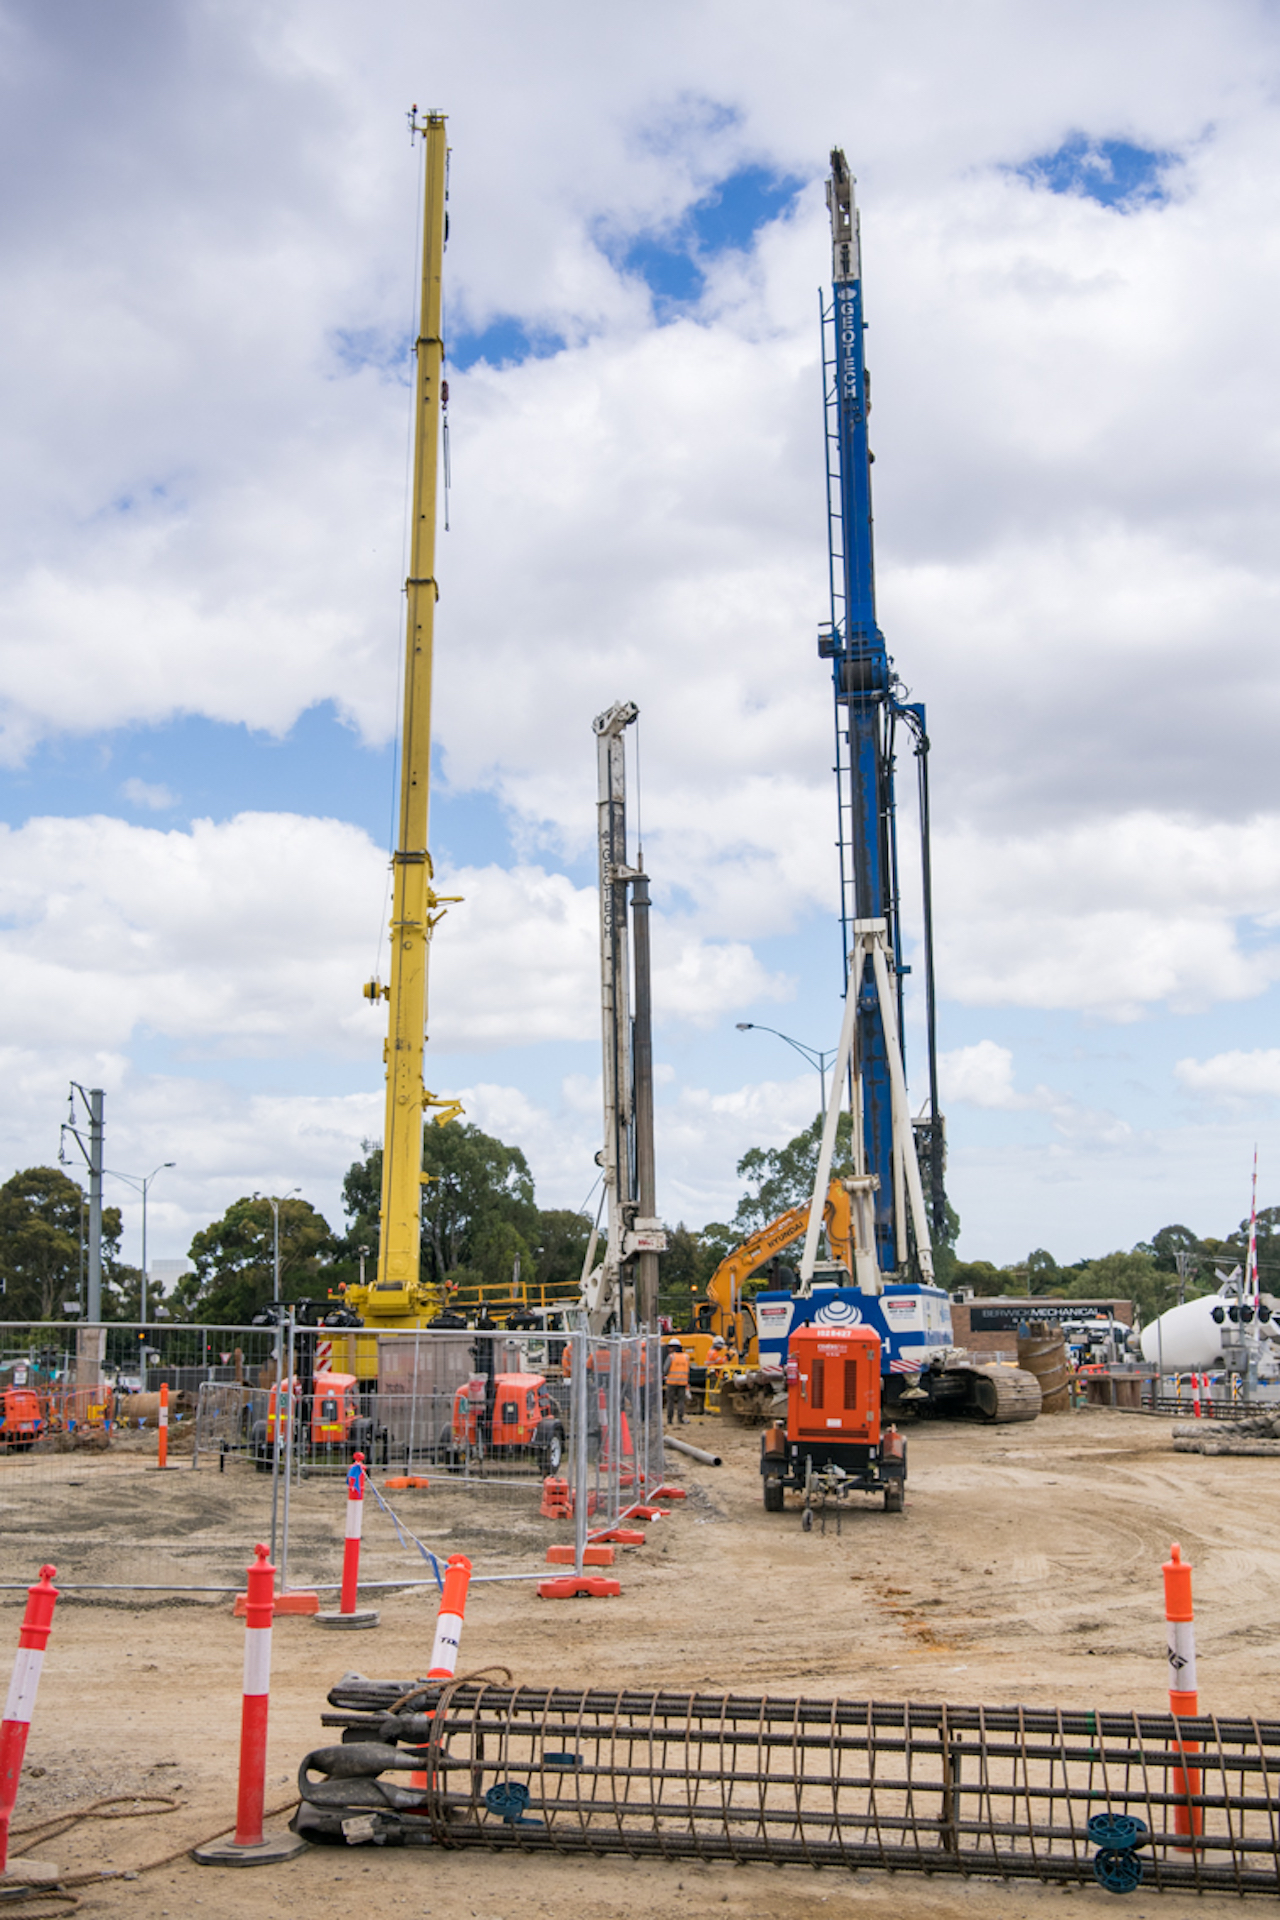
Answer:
[(250, 1846), (1184, 1699), (260, 1610), (444, 1651), (164, 1424), (349, 1614), (18, 1708), (355, 1527)]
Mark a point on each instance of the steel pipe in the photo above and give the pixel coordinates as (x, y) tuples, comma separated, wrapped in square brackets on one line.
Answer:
[(694, 1453)]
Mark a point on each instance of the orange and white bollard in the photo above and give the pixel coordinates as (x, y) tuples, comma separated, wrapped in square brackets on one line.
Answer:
[(453, 1607), (251, 1847), (164, 1424), (32, 1641), (1184, 1699), (448, 1640), (349, 1614), (355, 1529)]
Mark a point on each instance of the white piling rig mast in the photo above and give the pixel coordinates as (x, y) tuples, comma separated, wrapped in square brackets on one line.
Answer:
[(634, 1235)]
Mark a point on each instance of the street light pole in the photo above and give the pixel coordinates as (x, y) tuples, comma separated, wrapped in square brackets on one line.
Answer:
[(142, 1186), (275, 1206), (820, 1058)]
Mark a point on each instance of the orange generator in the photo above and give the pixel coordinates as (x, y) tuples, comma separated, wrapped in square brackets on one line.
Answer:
[(833, 1421)]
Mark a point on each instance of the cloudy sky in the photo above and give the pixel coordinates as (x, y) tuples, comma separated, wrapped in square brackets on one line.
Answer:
[(1070, 219)]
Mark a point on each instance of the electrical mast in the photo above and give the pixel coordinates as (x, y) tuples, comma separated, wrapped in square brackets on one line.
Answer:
[(868, 708), (415, 905)]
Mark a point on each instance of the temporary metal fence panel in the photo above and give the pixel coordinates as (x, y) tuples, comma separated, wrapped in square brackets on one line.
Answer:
[(1019, 1792), (623, 1423), (81, 1489)]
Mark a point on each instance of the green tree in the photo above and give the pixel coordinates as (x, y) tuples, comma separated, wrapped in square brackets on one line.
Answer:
[(40, 1228), (690, 1260), (782, 1177), (1124, 1276), (1236, 1248), (479, 1210), (362, 1203), (987, 1280), (944, 1249), (562, 1236), (234, 1261)]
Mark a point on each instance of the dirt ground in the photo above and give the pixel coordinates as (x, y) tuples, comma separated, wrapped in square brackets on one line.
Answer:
[(1026, 1567)]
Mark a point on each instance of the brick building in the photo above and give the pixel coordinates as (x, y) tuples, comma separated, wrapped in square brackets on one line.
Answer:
[(991, 1326)]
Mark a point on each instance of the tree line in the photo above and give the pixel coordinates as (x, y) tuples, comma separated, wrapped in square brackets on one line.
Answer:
[(481, 1218)]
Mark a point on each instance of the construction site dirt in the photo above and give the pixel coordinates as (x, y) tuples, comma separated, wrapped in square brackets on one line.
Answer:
[(1026, 1568)]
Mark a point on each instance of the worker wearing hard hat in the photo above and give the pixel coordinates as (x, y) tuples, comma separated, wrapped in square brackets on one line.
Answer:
[(676, 1376)]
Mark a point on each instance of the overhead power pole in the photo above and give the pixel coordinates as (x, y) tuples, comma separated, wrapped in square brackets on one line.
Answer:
[(415, 904), (92, 1151)]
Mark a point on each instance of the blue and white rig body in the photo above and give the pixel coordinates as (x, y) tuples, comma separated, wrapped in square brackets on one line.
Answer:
[(893, 1225)]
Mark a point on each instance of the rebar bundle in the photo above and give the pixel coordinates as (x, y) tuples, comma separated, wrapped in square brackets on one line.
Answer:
[(1023, 1792)]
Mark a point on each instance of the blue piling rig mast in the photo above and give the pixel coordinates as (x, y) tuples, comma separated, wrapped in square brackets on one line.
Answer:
[(868, 712)]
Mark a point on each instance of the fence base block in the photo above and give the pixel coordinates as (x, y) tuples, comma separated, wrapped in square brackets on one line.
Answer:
[(597, 1556), (362, 1617), (579, 1587), (670, 1493), (269, 1852), (648, 1513), (285, 1603), (624, 1536), (400, 1480)]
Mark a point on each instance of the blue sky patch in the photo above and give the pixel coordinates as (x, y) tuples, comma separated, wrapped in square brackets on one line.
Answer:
[(504, 342), (673, 262), (1115, 173), (192, 768)]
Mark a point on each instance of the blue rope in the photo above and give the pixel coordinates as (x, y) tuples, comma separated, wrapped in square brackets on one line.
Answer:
[(404, 1535)]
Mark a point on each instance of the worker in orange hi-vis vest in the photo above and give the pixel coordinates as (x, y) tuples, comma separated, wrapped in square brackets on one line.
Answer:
[(677, 1379)]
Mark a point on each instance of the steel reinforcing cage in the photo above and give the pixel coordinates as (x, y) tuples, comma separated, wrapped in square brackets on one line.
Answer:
[(1015, 1792)]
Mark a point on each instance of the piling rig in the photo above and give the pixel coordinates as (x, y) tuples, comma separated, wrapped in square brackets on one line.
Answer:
[(897, 1208)]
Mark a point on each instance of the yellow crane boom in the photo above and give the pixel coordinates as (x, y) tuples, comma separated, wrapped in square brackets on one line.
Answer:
[(415, 905)]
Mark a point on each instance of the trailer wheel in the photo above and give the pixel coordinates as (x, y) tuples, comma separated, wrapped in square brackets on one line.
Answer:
[(263, 1451), (773, 1493), (549, 1442), (895, 1497)]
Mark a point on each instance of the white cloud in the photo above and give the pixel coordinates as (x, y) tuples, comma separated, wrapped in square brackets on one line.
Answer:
[(1235, 1077), (149, 794), (1110, 917), (979, 1076), (253, 936)]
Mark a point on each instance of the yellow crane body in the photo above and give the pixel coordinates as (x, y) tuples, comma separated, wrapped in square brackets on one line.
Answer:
[(415, 905)]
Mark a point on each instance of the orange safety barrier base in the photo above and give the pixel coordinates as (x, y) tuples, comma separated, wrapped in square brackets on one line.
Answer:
[(285, 1603), (670, 1493), (594, 1556), (648, 1513), (623, 1536), (579, 1586), (407, 1480)]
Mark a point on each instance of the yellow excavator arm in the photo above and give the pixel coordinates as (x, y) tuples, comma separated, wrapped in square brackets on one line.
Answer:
[(729, 1316)]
